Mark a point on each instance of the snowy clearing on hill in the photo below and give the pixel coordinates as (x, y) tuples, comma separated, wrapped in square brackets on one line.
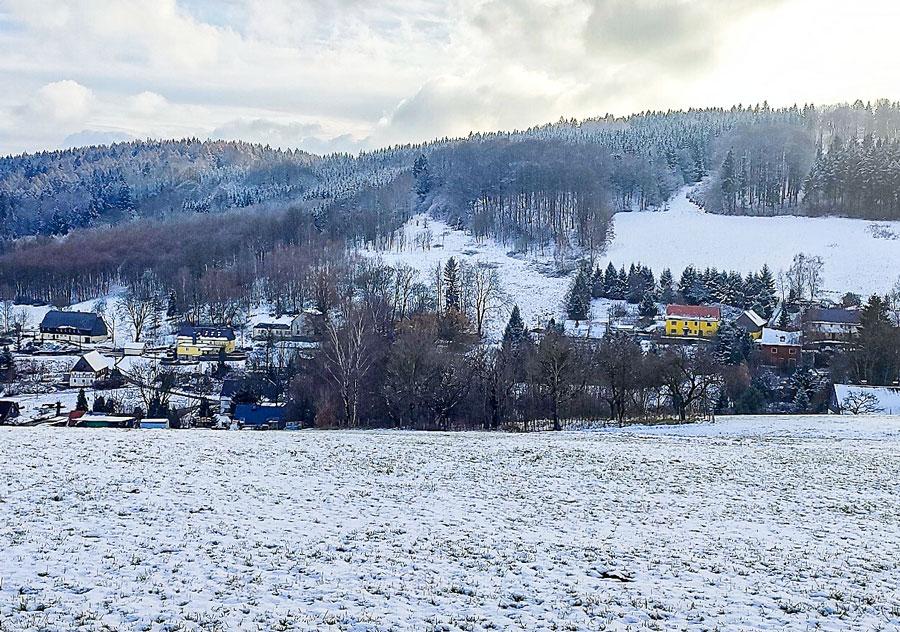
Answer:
[(748, 523), (860, 255)]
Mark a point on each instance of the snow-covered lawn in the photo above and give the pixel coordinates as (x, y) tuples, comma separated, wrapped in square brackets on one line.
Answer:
[(743, 524)]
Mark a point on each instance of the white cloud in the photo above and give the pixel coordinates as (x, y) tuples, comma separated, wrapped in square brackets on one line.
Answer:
[(62, 101), (375, 73)]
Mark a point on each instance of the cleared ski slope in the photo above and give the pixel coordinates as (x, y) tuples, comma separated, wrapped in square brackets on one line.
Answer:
[(860, 256)]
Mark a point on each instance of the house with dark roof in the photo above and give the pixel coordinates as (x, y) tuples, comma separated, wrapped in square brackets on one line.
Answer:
[(259, 416), (692, 321), (832, 325), (76, 327), (199, 340)]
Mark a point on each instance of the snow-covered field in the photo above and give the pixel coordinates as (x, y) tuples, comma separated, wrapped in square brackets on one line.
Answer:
[(860, 256), (748, 523)]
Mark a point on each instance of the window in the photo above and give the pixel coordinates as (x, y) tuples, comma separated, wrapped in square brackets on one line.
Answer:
[(774, 350)]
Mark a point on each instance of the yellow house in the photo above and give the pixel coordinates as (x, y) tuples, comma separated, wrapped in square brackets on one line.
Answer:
[(692, 321), (193, 341)]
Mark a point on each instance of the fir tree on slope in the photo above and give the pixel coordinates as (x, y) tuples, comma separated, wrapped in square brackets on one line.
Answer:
[(515, 335), (801, 402), (578, 300), (610, 281), (452, 294), (666, 287), (647, 307)]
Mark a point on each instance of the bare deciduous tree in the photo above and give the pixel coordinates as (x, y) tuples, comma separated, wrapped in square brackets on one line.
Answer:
[(347, 358)]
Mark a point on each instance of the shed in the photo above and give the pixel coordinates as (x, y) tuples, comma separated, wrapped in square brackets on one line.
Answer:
[(154, 424), (259, 415), (134, 348)]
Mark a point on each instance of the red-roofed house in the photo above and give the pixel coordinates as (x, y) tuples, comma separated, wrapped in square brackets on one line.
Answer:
[(692, 321)]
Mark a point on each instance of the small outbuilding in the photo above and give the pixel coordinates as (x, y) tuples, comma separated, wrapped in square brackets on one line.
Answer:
[(259, 416), (752, 323)]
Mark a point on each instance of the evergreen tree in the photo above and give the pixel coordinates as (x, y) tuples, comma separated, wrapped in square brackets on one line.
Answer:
[(598, 289), (729, 182), (666, 287), (99, 404), (733, 344), (452, 293), (784, 319), (621, 285), (766, 295), (515, 334), (647, 307), (81, 403), (578, 301), (688, 285), (801, 402), (610, 281), (423, 176)]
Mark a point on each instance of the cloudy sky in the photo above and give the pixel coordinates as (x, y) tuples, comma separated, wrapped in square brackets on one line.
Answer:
[(329, 75)]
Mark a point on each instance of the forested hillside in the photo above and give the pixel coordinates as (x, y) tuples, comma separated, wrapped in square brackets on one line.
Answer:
[(55, 192), (552, 188)]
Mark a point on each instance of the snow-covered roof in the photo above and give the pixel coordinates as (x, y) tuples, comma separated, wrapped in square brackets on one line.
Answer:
[(777, 337), (134, 345), (755, 318), (92, 361), (886, 398)]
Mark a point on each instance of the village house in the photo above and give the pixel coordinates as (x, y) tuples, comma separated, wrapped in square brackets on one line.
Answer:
[(90, 367), (305, 325), (8, 411), (272, 330), (75, 327), (199, 340), (833, 325), (692, 321), (780, 348), (752, 323)]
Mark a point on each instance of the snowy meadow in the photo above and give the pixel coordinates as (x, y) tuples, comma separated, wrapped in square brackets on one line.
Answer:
[(747, 523)]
